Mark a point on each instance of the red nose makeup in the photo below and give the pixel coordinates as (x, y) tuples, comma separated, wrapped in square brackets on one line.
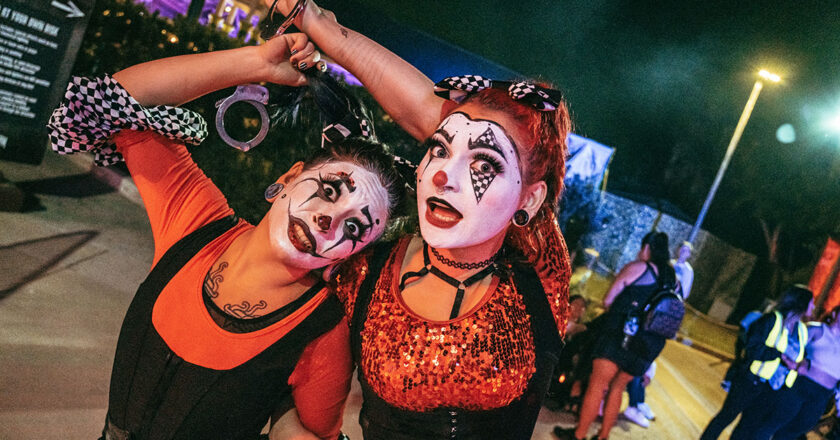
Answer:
[(324, 222), (440, 179)]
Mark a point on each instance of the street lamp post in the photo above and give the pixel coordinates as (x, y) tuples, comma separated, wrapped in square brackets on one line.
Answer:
[(739, 129)]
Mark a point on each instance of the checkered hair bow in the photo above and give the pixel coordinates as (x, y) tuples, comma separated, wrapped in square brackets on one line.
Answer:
[(348, 126), (94, 109), (456, 88), (351, 126)]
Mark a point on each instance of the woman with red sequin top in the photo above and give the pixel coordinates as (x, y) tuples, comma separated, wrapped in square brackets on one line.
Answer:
[(454, 331)]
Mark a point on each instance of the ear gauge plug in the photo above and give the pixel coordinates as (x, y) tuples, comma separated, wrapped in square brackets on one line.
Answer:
[(521, 218), (272, 190)]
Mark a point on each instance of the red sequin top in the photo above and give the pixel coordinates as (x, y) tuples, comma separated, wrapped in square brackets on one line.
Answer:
[(481, 360)]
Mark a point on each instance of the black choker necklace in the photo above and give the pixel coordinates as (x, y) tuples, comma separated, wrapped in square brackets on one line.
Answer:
[(468, 266), (460, 285)]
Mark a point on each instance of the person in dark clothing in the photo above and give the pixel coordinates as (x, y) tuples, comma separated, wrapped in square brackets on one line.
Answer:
[(775, 344), (791, 412), (564, 378), (619, 357), (740, 342)]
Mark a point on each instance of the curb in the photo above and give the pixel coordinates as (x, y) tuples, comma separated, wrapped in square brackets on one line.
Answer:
[(121, 183)]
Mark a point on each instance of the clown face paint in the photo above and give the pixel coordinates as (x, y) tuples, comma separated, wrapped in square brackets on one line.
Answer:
[(483, 174), (468, 184), (327, 214)]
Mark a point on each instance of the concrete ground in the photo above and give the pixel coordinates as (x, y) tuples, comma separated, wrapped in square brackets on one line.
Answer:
[(69, 267)]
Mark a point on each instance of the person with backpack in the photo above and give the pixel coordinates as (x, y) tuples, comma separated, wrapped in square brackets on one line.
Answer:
[(643, 310), (638, 411), (774, 347)]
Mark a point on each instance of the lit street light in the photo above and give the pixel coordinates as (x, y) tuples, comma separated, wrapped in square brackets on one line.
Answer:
[(739, 129), (833, 123)]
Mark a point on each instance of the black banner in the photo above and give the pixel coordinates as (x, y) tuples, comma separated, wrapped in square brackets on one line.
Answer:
[(38, 44)]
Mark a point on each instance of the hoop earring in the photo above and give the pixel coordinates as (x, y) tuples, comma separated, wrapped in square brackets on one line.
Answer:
[(521, 218), (272, 190)]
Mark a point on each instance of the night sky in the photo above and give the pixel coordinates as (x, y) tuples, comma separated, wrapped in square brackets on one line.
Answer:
[(665, 82)]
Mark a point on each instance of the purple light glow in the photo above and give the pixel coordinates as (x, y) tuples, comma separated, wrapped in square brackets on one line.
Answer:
[(339, 71), (174, 8), (167, 8), (238, 15)]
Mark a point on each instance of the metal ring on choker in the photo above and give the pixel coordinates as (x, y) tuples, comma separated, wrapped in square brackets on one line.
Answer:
[(253, 94)]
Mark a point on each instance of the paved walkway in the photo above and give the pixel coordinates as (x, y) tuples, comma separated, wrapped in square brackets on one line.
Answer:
[(69, 268), (67, 274)]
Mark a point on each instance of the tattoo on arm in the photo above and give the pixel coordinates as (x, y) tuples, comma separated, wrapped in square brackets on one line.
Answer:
[(213, 279)]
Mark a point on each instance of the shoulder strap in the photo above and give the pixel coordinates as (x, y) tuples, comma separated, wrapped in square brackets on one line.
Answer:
[(546, 337), (184, 249), (656, 275), (660, 285), (380, 254), (522, 414)]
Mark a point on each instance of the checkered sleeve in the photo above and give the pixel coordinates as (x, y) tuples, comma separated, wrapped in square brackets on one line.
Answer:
[(95, 109)]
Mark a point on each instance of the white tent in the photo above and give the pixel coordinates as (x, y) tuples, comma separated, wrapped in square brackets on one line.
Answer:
[(588, 160)]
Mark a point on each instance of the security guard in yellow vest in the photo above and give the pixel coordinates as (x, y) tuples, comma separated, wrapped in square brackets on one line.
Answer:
[(778, 339), (775, 344)]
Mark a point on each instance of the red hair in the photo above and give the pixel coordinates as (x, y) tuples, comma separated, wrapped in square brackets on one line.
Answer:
[(542, 157)]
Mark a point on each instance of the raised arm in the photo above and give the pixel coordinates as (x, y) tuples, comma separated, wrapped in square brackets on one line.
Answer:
[(402, 90), (176, 80)]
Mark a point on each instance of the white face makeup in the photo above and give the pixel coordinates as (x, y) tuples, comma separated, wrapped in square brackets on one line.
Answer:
[(468, 184), (327, 214)]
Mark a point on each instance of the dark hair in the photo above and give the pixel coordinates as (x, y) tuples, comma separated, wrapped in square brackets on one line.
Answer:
[(795, 299), (576, 297), (660, 255), (371, 156), (336, 104)]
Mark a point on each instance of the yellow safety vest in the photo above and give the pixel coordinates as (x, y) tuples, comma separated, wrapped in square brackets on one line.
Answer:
[(778, 338)]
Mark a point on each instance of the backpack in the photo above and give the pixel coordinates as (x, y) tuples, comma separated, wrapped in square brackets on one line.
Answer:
[(664, 312)]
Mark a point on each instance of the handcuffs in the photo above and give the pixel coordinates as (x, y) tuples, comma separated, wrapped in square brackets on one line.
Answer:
[(253, 94)]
